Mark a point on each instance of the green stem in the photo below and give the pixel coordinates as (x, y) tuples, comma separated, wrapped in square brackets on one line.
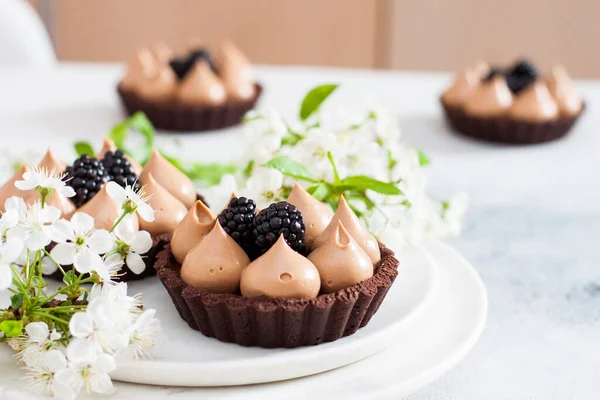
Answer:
[(125, 213), (52, 317)]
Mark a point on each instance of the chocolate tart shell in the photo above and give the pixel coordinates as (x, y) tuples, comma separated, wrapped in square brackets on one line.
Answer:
[(271, 323), (504, 129), (174, 116)]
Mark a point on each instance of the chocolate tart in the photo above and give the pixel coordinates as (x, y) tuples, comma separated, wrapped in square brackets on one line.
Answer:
[(504, 129), (271, 323), (174, 116)]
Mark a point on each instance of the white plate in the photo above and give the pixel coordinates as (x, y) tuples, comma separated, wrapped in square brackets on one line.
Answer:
[(426, 346), (195, 360)]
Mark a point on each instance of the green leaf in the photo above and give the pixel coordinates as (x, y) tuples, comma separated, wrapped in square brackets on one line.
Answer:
[(362, 182), (118, 134), (249, 168), (251, 118), (211, 173), (391, 161), (320, 191), (314, 98), (16, 300), (142, 124), (423, 158), (84, 148), (16, 165), (336, 175), (291, 139), (11, 328), (290, 168)]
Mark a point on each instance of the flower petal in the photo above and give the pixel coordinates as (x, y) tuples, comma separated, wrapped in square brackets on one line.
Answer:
[(101, 242), (66, 191), (49, 214), (54, 360), (26, 184), (48, 266), (37, 240), (116, 192), (12, 249), (62, 391), (82, 223), (86, 261), (135, 263), (105, 363), (17, 204), (141, 242), (146, 212), (64, 253), (81, 325), (81, 352), (101, 384), (5, 277), (62, 230), (37, 331)]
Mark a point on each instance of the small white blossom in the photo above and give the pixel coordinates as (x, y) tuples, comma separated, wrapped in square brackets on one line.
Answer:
[(39, 177), (80, 244), (90, 373), (41, 378), (36, 342), (143, 333), (130, 199), (131, 245), (264, 186), (35, 223), (111, 266)]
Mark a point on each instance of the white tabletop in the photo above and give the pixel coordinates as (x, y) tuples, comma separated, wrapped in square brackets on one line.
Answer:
[(532, 230)]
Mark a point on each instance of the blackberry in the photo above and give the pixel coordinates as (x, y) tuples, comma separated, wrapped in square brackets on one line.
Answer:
[(119, 169), (279, 218), (181, 66), (86, 176), (238, 220), (522, 74)]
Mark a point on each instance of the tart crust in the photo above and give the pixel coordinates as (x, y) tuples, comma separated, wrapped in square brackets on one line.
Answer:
[(174, 116), (504, 129), (270, 323)]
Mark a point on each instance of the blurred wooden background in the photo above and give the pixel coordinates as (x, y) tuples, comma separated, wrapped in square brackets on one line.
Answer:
[(405, 34)]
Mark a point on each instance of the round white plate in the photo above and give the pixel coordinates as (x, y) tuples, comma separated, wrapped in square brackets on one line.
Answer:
[(428, 344), (195, 360)]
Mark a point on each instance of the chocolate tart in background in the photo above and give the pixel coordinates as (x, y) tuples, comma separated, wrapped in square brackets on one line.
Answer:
[(192, 93), (512, 105), (295, 274)]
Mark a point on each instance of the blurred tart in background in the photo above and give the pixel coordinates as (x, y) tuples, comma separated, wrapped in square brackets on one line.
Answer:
[(195, 92), (512, 105)]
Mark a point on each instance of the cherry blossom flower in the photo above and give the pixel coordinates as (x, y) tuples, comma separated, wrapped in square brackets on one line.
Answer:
[(111, 266), (41, 178), (131, 200), (80, 244), (264, 186), (9, 252), (35, 223), (90, 373), (131, 245), (143, 333), (42, 377)]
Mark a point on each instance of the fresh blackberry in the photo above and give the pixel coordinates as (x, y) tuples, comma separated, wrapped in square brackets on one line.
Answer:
[(279, 218), (86, 176), (521, 75), (181, 66), (119, 169), (238, 220)]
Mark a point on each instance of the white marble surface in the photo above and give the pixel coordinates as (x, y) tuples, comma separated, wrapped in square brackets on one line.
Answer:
[(532, 229)]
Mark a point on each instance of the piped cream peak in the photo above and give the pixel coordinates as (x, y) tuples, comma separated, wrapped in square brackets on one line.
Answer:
[(198, 222), (341, 261), (105, 211), (51, 162), (316, 215), (215, 264), (353, 225), (535, 104), (235, 70), (281, 272), (170, 178), (201, 86), (168, 210)]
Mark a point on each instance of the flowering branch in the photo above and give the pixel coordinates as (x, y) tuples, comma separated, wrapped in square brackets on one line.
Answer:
[(66, 339)]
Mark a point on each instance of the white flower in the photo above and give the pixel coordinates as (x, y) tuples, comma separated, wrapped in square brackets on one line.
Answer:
[(9, 252), (111, 266), (8, 220), (41, 378), (34, 225), (118, 294), (131, 245), (36, 342), (143, 333), (40, 177), (220, 194), (90, 373), (80, 244), (129, 199), (264, 186)]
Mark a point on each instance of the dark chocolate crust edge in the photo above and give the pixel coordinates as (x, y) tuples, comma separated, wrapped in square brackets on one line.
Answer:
[(507, 130), (271, 323), (172, 116)]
